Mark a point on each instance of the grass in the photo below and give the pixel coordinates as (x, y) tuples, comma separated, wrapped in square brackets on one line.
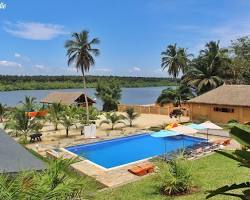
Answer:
[(209, 173)]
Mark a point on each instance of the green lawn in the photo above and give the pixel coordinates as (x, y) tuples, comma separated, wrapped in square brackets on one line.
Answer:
[(209, 173)]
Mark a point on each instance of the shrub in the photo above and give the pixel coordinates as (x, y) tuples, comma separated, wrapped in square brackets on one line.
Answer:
[(175, 178), (232, 121)]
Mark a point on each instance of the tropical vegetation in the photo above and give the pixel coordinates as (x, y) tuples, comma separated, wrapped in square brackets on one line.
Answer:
[(175, 96), (54, 114), (56, 182), (131, 115), (2, 112), (175, 178), (241, 133), (80, 53), (113, 119), (110, 94)]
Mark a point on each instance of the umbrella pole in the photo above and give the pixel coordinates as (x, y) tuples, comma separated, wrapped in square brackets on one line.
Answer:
[(207, 135)]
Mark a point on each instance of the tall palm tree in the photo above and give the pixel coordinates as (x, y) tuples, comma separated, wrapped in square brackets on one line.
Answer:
[(175, 59), (207, 70), (80, 53)]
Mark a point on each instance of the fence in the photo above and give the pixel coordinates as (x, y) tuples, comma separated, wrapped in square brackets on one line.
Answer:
[(151, 109)]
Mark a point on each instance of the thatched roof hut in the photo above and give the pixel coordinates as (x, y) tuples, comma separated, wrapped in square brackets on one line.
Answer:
[(227, 102), (67, 98)]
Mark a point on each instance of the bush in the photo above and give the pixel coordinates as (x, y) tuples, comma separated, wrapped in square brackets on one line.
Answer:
[(175, 178), (232, 121)]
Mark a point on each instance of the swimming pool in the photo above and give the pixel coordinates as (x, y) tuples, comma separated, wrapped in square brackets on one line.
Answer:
[(116, 152)]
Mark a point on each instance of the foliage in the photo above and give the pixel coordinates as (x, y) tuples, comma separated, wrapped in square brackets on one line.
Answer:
[(113, 119), (67, 118), (241, 134), (175, 59), (82, 118), (2, 112), (8, 83), (131, 115), (80, 53), (176, 113), (175, 178), (21, 124), (175, 96), (207, 69), (110, 94), (54, 183), (54, 114), (232, 121), (29, 104)]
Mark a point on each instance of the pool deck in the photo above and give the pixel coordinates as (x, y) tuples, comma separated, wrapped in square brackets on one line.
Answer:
[(110, 178)]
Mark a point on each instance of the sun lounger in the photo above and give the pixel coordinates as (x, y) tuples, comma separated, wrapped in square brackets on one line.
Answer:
[(147, 166), (137, 171)]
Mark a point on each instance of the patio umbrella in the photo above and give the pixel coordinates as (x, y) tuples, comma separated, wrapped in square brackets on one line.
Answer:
[(164, 134), (210, 125), (184, 129), (198, 127)]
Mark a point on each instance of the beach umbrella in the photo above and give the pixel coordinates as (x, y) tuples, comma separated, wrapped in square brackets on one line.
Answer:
[(210, 125), (184, 129), (198, 127), (164, 134)]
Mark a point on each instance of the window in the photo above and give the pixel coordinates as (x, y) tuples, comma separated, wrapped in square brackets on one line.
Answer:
[(223, 109)]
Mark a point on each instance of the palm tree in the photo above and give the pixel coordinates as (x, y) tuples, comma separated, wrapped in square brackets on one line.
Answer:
[(54, 114), (29, 103), (68, 118), (207, 70), (131, 116), (113, 119), (80, 53), (20, 123), (175, 59), (2, 112), (175, 96), (53, 183)]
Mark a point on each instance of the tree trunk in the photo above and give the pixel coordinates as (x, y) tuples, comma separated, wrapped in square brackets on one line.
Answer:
[(67, 131), (85, 96)]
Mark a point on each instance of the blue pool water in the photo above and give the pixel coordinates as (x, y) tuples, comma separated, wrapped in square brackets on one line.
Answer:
[(112, 153)]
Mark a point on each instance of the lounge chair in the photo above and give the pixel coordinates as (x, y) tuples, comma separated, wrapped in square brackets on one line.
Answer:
[(138, 171)]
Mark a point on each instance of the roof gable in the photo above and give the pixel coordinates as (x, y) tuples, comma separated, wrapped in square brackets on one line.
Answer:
[(234, 95), (66, 98)]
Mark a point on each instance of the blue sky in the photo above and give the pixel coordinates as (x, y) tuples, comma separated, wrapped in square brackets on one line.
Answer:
[(133, 32)]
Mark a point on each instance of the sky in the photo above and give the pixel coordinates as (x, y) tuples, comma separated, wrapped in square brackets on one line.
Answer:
[(133, 33)]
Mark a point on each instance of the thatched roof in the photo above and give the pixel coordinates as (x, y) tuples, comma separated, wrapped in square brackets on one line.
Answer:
[(15, 158), (67, 98), (232, 95)]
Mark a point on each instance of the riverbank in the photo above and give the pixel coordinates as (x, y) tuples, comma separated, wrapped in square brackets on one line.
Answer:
[(11, 83)]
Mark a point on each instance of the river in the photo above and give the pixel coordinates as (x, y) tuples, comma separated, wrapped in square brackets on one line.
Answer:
[(144, 95)]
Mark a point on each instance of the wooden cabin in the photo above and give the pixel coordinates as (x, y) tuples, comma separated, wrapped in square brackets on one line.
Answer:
[(67, 98), (222, 104)]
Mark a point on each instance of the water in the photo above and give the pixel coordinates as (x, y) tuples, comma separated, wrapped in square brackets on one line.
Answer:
[(146, 95), (125, 150)]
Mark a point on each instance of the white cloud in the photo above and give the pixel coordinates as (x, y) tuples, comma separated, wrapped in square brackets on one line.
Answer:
[(34, 30), (137, 69), (5, 63), (17, 55), (39, 66)]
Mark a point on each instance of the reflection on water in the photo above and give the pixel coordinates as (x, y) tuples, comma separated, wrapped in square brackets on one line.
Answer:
[(144, 95)]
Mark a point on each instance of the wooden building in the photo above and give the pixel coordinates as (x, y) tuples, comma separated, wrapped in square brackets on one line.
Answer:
[(222, 104), (67, 98)]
